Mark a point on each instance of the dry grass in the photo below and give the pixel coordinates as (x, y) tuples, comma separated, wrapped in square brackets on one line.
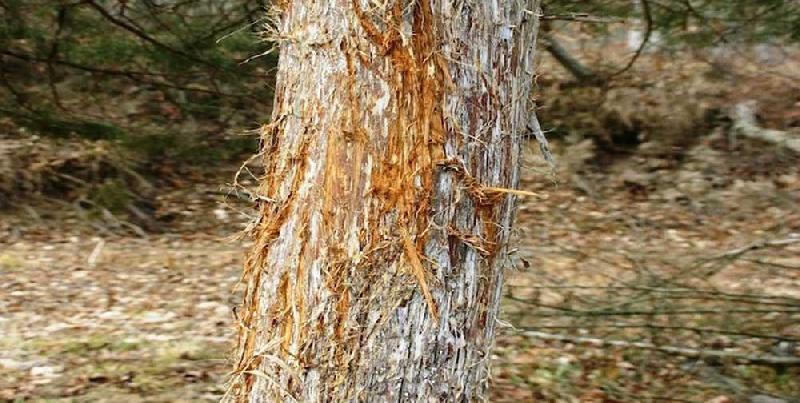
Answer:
[(68, 170)]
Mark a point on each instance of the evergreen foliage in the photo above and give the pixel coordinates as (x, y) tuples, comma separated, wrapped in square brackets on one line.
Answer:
[(163, 77), (696, 22)]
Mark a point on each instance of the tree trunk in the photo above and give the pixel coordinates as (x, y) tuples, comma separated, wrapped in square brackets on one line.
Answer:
[(385, 207)]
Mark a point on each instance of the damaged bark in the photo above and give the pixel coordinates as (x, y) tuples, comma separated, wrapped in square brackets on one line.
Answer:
[(387, 201)]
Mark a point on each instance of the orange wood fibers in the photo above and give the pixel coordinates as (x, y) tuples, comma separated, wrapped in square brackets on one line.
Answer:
[(400, 188), (419, 273), (272, 217)]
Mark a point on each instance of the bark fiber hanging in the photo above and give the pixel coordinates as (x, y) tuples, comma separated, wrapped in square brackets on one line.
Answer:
[(377, 265)]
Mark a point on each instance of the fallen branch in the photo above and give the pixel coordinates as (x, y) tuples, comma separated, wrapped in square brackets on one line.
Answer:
[(582, 17), (544, 146), (582, 73), (650, 326), (744, 124), (735, 253), (768, 360), (720, 261)]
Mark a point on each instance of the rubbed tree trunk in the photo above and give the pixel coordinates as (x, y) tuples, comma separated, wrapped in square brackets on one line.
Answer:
[(386, 203)]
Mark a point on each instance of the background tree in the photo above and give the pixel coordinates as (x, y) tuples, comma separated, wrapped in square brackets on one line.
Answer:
[(386, 202), (681, 24), (120, 97), (166, 80)]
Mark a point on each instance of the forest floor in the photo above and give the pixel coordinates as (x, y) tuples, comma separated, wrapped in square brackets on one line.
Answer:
[(90, 313)]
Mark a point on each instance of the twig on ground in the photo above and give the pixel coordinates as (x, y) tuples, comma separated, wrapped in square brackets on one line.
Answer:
[(95, 255), (544, 145), (582, 17), (753, 359), (735, 253)]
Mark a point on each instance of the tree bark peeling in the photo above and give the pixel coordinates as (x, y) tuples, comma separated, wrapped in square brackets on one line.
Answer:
[(376, 272)]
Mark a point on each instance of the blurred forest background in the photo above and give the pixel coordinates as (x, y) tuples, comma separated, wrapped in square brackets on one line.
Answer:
[(664, 263)]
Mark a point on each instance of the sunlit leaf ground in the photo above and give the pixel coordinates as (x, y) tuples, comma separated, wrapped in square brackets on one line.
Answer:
[(88, 316)]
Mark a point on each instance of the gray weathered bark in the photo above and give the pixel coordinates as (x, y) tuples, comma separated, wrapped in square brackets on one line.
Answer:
[(385, 209)]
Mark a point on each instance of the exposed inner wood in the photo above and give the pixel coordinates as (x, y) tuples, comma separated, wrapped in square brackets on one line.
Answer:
[(391, 160)]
